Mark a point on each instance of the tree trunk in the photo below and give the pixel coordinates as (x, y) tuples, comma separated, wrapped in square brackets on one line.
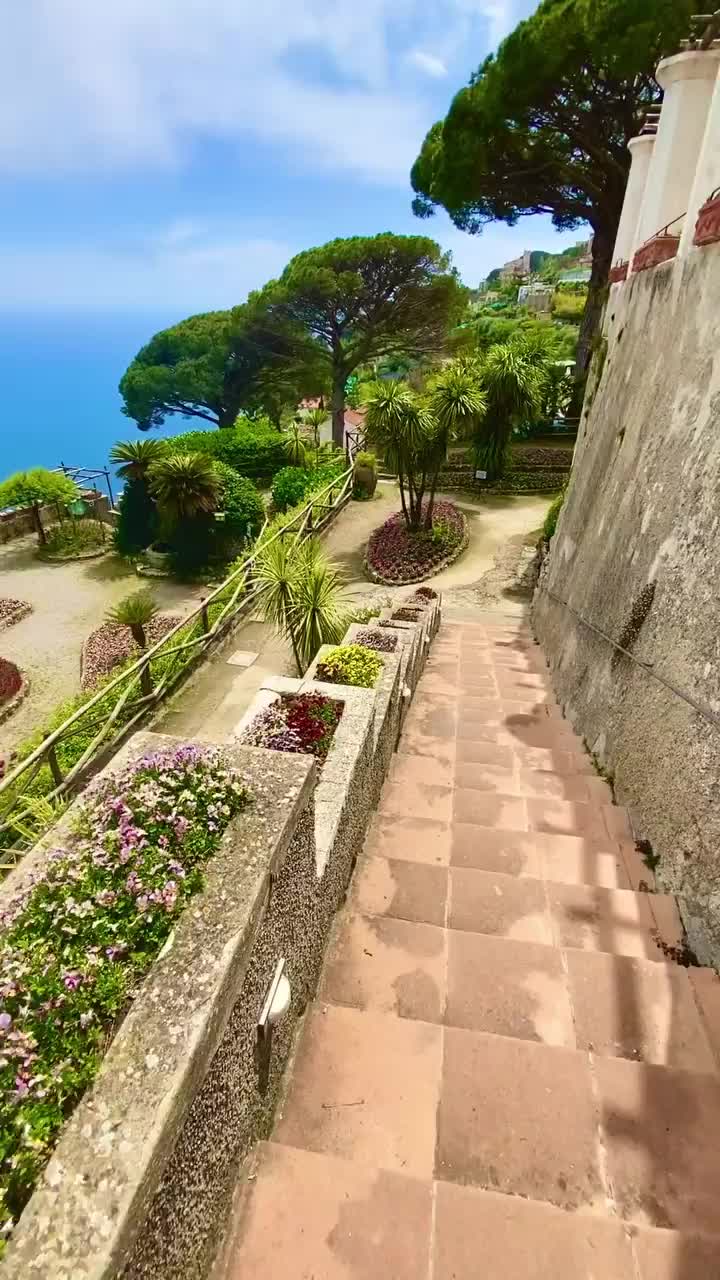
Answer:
[(42, 539), (431, 500), (603, 244), (338, 408), (401, 480), (226, 417), (138, 635)]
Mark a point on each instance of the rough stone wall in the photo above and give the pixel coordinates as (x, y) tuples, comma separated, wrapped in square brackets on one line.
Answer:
[(637, 553)]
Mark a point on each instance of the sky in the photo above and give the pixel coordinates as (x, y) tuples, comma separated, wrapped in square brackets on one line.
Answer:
[(166, 157)]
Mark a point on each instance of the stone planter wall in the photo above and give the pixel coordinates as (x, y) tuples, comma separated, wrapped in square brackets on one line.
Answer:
[(140, 1183)]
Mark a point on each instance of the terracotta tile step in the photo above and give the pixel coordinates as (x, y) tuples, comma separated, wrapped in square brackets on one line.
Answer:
[(599, 822), (524, 1119), (566, 859), (531, 782), (585, 917)]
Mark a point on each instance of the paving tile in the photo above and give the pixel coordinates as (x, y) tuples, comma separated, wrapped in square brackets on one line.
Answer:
[(556, 786), (431, 717), (667, 919), (365, 1086), (416, 800), (498, 755), (435, 685), (566, 818), (670, 1255), (639, 874), (598, 919), (706, 986), (514, 853), (617, 822), (489, 809), (415, 839), (519, 1118), (501, 905), (422, 769), (313, 1217), (576, 860), (660, 1132), (508, 988), (405, 890), (496, 1237), (630, 1008), (486, 777), (390, 966)]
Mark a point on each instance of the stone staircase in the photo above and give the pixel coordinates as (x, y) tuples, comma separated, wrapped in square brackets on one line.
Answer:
[(505, 1075)]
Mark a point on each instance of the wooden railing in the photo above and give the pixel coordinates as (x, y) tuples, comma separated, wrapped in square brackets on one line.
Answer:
[(120, 705)]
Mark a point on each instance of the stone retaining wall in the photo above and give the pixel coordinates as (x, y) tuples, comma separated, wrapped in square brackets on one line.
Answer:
[(140, 1182)]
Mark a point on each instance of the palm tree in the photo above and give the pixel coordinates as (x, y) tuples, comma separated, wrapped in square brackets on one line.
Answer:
[(512, 386), (295, 446), (136, 457), (135, 612), (185, 485), (299, 593), (457, 404), (402, 430), (315, 419)]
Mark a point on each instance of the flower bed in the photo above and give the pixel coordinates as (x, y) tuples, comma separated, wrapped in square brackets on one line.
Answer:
[(10, 680), (374, 638), (77, 941), (351, 664), (406, 615), (396, 556), (11, 611), (425, 593), (110, 645), (298, 722)]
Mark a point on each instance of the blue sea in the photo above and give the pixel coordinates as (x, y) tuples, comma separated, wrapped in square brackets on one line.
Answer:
[(59, 374)]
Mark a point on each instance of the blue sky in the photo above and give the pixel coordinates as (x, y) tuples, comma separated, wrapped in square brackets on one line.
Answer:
[(167, 157)]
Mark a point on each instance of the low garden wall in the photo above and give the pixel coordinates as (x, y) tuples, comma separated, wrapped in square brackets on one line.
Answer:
[(140, 1182)]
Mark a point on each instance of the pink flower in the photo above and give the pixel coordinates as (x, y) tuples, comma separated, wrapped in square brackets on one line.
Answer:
[(72, 980)]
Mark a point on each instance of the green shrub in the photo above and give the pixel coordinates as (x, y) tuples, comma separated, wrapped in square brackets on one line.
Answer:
[(241, 503), (551, 519), (350, 664), (76, 537), (365, 459), (289, 487), (137, 524), (252, 449)]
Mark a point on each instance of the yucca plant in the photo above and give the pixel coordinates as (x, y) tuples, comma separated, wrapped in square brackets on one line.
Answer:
[(295, 446), (135, 457), (315, 419), (135, 612), (185, 485), (403, 431), (512, 385), (458, 405), (299, 592)]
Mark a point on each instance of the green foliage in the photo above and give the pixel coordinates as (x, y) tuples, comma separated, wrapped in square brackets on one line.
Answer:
[(253, 448), (545, 122), (34, 488), (184, 485), (134, 610), (569, 307), (552, 517), (363, 298), (365, 459), (241, 504), (300, 594), (512, 382), (74, 538), (133, 458), (137, 524), (289, 487), (295, 446), (351, 664)]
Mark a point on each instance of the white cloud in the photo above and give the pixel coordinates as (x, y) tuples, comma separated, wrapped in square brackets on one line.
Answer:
[(428, 62), (87, 87)]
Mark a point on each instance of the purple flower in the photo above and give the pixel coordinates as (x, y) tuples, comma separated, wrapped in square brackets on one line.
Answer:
[(72, 980), (5, 1021)]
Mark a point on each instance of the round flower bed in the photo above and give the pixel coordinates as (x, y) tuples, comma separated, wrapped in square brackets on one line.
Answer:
[(77, 942), (396, 556), (304, 722), (11, 611), (111, 644), (13, 688)]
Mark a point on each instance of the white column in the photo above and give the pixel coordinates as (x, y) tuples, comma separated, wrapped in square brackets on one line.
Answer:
[(688, 80), (641, 149), (707, 173)]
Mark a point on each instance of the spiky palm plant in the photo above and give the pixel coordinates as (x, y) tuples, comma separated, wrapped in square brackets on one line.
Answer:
[(136, 611), (295, 446), (299, 592), (402, 430), (135, 457), (458, 405), (512, 385), (315, 419), (185, 485)]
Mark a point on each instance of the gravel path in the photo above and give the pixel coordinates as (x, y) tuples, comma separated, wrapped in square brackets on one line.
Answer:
[(69, 601)]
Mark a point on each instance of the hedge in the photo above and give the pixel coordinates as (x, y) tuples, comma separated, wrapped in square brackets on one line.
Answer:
[(254, 449)]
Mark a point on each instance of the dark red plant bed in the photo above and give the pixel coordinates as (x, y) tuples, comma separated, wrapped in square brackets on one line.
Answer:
[(396, 556), (373, 638), (304, 722), (407, 615), (10, 680)]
